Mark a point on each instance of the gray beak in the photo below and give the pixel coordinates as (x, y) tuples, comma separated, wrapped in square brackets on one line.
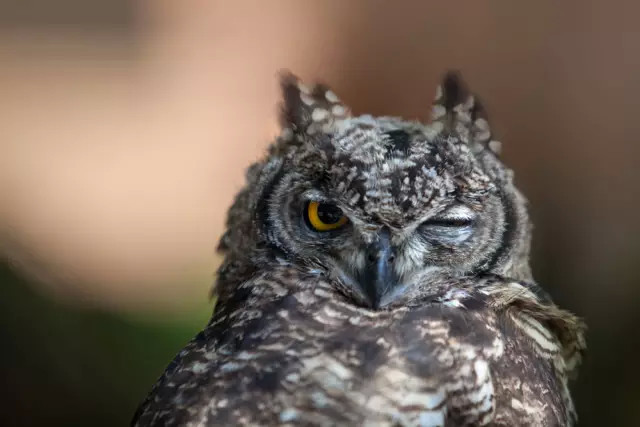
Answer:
[(378, 277)]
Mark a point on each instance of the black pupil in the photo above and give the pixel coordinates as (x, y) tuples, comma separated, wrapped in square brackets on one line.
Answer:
[(329, 214)]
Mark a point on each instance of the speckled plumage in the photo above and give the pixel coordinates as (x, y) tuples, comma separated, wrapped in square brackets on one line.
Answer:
[(462, 335)]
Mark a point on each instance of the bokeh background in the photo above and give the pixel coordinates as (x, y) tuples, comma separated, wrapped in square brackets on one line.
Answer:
[(125, 128)]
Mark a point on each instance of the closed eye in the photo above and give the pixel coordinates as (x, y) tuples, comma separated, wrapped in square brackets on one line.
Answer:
[(455, 216), (451, 222), (454, 225)]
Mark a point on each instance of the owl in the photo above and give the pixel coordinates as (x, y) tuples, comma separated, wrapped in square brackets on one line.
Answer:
[(376, 272)]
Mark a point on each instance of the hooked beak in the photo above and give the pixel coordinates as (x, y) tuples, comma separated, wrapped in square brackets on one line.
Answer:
[(378, 278)]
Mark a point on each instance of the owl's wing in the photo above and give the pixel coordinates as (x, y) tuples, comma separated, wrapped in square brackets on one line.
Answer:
[(482, 354), (514, 352)]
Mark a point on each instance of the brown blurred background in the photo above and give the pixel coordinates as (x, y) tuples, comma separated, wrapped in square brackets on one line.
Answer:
[(125, 128)]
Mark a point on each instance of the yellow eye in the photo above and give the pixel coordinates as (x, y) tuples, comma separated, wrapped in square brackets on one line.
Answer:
[(324, 216)]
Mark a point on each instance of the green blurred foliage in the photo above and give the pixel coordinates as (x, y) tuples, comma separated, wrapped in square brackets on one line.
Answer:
[(70, 366)]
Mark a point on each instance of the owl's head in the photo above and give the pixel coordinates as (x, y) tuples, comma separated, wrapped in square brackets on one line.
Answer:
[(378, 203)]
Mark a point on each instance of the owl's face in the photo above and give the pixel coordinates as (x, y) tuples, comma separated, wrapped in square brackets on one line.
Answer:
[(376, 203)]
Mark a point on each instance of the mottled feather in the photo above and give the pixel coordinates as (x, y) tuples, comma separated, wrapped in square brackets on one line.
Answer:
[(421, 310)]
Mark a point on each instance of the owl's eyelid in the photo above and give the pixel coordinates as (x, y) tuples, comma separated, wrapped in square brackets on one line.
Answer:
[(450, 222), (315, 196), (457, 214), (451, 218)]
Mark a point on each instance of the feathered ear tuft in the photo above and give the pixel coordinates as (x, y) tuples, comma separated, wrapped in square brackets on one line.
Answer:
[(308, 111), (457, 111)]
